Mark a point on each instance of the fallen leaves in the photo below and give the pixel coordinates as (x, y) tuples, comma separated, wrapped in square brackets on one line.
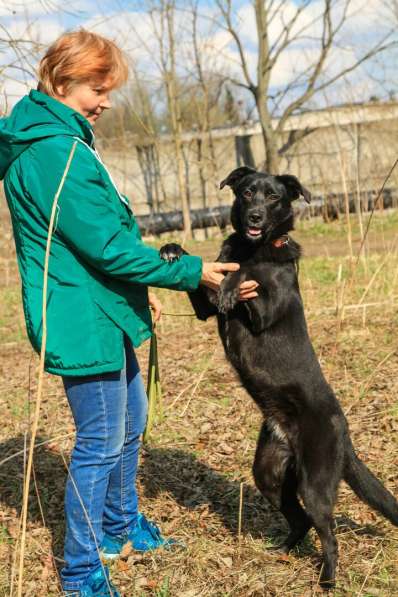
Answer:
[(191, 472)]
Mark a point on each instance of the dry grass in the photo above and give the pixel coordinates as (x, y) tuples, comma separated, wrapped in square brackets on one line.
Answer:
[(199, 455)]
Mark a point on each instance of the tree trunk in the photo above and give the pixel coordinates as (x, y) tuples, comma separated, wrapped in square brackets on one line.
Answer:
[(175, 116), (272, 158), (271, 163), (358, 202)]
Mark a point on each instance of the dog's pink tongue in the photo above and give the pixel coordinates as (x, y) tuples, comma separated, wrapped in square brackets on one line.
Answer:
[(254, 231)]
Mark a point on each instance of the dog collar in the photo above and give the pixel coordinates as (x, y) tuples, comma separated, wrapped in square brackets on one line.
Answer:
[(281, 241)]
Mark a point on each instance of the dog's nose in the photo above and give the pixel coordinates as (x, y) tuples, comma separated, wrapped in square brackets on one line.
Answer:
[(254, 217)]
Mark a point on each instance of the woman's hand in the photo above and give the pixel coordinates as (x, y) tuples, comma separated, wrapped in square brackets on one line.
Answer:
[(212, 276), (155, 305), (247, 290), (212, 273)]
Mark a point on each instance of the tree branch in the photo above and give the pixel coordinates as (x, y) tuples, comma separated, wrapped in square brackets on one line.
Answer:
[(226, 12), (294, 137)]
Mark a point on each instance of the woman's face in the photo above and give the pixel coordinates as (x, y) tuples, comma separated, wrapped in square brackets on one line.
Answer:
[(89, 99)]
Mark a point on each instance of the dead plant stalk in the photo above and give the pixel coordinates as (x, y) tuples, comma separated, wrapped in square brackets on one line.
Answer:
[(41, 374)]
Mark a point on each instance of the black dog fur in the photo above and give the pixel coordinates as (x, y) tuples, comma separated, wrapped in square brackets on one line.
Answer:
[(304, 448)]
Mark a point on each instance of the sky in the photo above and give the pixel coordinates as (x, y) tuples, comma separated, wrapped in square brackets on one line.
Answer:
[(36, 23)]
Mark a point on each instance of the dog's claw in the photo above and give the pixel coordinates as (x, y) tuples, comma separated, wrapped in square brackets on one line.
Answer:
[(327, 585), (171, 252), (281, 550), (228, 300)]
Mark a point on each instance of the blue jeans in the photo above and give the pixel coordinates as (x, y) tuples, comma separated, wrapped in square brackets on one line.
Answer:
[(110, 413)]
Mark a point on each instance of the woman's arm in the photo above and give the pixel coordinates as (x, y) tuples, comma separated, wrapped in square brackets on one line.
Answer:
[(89, 223)]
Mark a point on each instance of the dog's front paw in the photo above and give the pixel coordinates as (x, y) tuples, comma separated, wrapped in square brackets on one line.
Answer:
[(228, 298), (171, 252)]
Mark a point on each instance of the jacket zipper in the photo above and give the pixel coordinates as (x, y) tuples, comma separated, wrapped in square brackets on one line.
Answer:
[(98, 158)]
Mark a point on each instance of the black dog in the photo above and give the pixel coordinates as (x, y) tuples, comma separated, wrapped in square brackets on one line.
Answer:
[(304, 448)]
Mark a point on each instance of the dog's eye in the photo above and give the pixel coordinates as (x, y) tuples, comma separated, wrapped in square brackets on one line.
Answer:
[(273, 198), (248, 194)]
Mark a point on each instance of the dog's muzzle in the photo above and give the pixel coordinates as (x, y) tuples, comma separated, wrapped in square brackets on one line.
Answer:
[(254, 225)]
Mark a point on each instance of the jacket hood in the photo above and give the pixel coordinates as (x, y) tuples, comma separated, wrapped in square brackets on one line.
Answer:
[(37, 116)]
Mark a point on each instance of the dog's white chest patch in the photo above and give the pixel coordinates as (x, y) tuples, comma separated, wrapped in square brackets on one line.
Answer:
[(276, 430)]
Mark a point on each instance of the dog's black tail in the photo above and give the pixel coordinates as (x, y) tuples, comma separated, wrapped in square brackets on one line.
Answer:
[(367, 487)]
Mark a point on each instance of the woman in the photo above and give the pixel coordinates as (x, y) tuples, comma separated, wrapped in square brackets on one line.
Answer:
[(97, 306)]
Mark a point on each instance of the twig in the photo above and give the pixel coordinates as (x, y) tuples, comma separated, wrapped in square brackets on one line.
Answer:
[(353, 307), (44, 521), (367, 383), (372, 563), (41, 372), (179, 314), (373, 209), (372, 279), (176, 399), (240, 518), (47, 441), (198, 382), (87, 518)]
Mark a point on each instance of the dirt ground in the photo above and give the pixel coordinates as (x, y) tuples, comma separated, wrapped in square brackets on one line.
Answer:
[(199, 455)]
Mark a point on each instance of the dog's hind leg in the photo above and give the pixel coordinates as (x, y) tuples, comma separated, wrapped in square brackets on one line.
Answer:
[(321, 472), (299, 521), (319, 505), (269, 465), (275, 477)]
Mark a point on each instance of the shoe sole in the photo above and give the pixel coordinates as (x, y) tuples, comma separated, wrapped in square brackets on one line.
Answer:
[(109, 556)]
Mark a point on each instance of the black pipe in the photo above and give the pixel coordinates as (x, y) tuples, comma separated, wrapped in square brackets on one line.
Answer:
[(172, 220), (220, 216)]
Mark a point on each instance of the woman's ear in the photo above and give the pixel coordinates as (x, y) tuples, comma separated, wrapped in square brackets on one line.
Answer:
[(235, 176), (294, 187), (60, 90)]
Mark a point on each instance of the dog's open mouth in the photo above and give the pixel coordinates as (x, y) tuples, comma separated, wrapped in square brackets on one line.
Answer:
[(253, 232)]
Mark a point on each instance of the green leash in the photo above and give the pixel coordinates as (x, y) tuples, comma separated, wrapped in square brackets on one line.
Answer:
[(154, 390)]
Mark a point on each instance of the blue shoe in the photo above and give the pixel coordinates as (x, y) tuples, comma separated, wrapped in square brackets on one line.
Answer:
[(97, 585), (144, 536)]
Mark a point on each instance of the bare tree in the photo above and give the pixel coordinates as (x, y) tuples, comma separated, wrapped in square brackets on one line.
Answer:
[(24, 36), (162, 13), (311, 80), (205, 120), (17, 56)]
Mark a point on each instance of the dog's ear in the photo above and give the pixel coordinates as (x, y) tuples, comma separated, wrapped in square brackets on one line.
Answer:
[(235, 176), (294, 187), (235, 215)]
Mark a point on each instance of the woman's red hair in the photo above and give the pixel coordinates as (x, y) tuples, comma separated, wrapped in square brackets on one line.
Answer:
[(81, 57)]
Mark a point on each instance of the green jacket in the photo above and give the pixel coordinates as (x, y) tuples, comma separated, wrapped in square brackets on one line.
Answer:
[(99, 268)]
